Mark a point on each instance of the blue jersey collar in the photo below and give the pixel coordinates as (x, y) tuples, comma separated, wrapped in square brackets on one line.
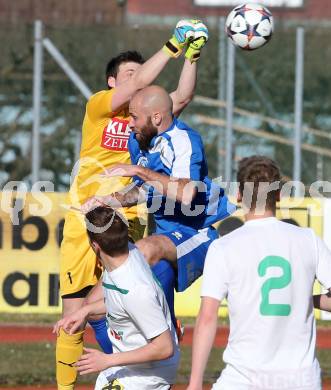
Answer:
[(173, 124)]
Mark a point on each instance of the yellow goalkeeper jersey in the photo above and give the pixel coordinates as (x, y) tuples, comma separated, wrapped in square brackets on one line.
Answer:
[(105, 136)]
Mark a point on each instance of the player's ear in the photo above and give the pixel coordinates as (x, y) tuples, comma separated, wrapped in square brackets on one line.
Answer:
[(95, 246), (156, 118), (111, 82)]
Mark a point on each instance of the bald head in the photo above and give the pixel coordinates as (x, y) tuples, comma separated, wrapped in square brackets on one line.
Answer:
[(153, 99), (150, 114)]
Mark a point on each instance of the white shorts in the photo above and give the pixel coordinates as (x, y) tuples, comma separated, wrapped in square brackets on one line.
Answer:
[(123, 378), (232, 385), (304, 379)]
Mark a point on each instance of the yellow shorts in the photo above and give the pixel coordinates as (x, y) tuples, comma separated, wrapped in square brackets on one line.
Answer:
[(79, 267)]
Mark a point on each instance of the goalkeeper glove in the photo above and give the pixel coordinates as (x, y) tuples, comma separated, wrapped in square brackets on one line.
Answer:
[(183, 34), (201, 36)]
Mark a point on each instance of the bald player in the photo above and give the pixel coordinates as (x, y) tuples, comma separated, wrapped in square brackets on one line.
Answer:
[(169, 164)]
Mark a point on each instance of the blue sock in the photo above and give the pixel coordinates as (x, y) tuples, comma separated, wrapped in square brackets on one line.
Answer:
[(101, 335), (165, 274)]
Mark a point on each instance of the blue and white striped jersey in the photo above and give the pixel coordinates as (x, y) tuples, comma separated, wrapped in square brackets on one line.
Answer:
[(179, 152)]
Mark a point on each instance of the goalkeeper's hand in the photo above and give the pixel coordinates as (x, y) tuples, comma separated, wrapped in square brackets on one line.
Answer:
[(184, 33), (201, 36)]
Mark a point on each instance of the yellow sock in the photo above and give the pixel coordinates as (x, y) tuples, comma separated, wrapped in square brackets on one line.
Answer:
[(65, 387), (69, 349)]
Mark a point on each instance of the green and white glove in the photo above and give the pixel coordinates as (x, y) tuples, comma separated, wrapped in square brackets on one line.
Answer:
[(184, 33), (201, 36)]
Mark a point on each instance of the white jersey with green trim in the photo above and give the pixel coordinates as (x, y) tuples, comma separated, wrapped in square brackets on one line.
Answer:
[(266, 269), (137, 311)]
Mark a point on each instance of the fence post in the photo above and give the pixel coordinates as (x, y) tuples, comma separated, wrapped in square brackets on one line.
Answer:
[(221, 94), (299, 81), (67, 68), (37, 95), (231, 56), (73, 76)]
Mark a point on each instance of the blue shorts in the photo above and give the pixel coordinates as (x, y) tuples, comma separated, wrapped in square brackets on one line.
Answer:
[(192, 246)]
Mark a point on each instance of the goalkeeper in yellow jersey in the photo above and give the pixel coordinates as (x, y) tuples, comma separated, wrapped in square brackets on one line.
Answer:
[(105, 136)]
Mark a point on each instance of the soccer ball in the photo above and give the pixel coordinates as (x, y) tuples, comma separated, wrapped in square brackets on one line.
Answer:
[(249, 26)]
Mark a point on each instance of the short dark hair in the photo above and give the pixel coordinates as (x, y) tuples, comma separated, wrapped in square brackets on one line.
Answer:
[(256, 170), (126, 56), (114, 239)]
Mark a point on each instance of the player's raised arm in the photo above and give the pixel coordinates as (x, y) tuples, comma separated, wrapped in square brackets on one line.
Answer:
[(182, 96), (137, 78)]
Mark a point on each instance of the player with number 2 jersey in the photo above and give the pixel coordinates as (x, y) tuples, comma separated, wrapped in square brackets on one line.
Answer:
[(266, 269)]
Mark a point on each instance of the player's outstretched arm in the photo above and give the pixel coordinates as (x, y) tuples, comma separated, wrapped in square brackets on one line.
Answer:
[(184, 93), (180, 189), (203, 338), (125, 198), (323, 301), (150, 70), (159, 348)]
